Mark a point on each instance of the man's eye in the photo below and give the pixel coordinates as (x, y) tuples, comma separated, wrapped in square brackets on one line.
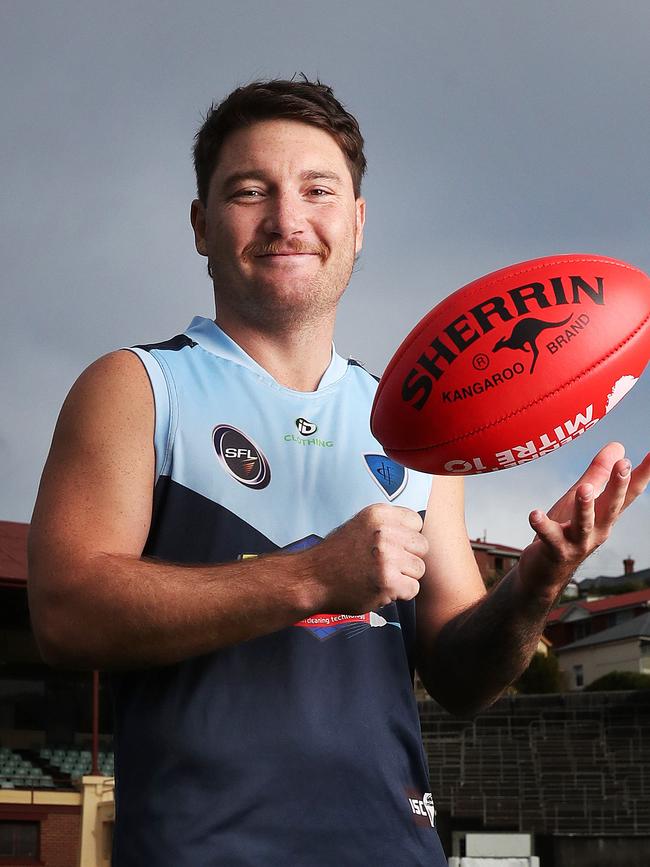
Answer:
[(318, 192), (247, 194)]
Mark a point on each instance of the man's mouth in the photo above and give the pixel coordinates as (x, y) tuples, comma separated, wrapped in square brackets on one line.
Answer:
[(287, 258), (284, 255)]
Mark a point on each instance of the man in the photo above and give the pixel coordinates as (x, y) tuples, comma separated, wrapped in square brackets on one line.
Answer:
[(264, 710)]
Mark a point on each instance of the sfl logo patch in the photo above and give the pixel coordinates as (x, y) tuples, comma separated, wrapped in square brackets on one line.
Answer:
[(241, 458)]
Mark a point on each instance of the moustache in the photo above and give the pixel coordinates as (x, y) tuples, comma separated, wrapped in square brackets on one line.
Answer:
[(274, 248)]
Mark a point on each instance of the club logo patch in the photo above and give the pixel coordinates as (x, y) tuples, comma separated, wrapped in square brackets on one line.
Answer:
[(306, 428), (390, 476), (423, 808), (241, 458)]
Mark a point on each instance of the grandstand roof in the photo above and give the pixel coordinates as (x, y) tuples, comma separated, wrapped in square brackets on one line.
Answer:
[(637, 627), (13, 554), (598, 606)]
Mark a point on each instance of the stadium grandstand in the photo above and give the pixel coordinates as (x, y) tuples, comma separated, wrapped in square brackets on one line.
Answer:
[(573, 770)]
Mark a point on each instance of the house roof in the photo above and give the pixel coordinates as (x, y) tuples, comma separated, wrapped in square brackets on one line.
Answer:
[(637, 627), (495, 548), (13, 553), (598, 606), (640, 575)]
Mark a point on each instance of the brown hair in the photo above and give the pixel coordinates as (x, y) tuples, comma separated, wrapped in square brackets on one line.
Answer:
[(307, 101)]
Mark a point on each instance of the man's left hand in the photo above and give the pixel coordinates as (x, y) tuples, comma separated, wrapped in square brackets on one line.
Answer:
[(581, 520)]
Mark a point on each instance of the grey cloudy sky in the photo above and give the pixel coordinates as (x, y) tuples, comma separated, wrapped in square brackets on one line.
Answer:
[(496, 131)]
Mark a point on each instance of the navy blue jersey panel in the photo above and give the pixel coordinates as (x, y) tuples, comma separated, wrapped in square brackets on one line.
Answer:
[(189, 528)]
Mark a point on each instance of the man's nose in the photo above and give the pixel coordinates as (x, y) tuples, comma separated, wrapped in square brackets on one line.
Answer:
[(284, 216)]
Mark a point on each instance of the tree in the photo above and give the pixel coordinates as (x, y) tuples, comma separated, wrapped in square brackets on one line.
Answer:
[(543, 675), (619, 680)]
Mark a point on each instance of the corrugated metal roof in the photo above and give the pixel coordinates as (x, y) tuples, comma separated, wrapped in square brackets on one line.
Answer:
[(637, 627), (597, 606)]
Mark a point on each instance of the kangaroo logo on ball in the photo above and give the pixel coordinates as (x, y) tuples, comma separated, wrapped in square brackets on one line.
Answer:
[(524, 336)]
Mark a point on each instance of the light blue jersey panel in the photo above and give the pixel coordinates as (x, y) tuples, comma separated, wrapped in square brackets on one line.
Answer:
[(302, 746), (318, 479)]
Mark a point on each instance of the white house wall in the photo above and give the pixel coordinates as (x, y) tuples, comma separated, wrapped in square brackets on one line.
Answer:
[(601, 659)]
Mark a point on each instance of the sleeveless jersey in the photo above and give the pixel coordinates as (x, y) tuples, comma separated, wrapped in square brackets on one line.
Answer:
[(301, 747)]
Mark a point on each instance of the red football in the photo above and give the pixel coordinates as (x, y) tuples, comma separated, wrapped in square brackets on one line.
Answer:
[(514, 365)]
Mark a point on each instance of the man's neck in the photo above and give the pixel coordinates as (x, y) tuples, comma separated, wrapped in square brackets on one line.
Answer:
[(296, 357)]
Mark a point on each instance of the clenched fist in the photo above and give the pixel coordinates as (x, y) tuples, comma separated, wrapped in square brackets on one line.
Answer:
[(372, 560)]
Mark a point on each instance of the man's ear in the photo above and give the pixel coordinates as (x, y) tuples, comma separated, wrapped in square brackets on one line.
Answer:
[(360, 205), (197, 219)]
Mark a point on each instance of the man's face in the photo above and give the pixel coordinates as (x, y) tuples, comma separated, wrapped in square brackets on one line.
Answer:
[(281, 227)]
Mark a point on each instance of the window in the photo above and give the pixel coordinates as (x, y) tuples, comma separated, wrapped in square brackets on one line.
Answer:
[(580, 630), (578, 675), (19, 839), (624, 616)]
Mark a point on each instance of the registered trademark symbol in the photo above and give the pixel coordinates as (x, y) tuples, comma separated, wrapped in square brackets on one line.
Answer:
[(480, 361)]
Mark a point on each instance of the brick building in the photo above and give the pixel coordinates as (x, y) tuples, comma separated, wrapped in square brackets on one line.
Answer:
[(494, 561)]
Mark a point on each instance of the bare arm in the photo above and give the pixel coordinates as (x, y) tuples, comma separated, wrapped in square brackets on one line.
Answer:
[(469, 655), (96, 603), (451, 587)]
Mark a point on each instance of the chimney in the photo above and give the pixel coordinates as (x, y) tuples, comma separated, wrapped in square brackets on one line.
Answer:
[(628, 566)]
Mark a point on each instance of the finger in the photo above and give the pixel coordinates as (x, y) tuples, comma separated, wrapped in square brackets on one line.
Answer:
[(639, 481), (409, 519), (584, 513), (599, 470), (611, 502), (596, 474), (416, 543), (408, 589), (413, 567), (550, 532)]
